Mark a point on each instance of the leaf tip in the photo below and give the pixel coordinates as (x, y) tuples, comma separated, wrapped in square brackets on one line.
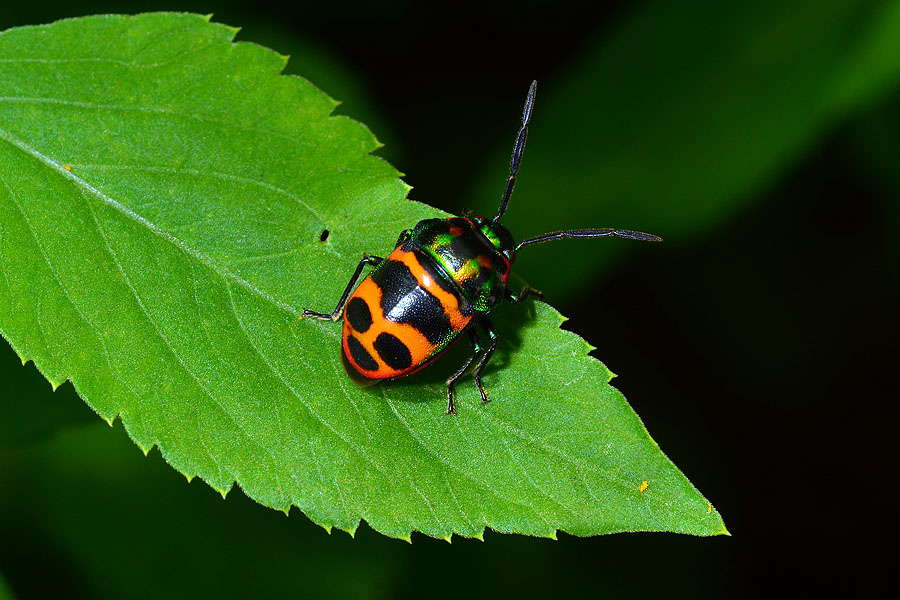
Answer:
[(328, 528), (350, 530), (722, 530), (231, 29)]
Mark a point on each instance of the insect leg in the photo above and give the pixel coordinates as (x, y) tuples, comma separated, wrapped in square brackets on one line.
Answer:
[(523, 295), (404, 237), (336, 313), (485, 357), (451, 382)]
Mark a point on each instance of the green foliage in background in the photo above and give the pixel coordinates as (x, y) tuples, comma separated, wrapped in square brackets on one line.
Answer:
[(164, 192), (5, 594), (678, 121)]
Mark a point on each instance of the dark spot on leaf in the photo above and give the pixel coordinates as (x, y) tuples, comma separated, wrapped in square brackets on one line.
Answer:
[(324, 236)]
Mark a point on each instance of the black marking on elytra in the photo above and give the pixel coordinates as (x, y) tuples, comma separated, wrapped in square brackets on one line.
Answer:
[(468, 244), (359, 315), (360, 355), (393, 351), (403, 300)]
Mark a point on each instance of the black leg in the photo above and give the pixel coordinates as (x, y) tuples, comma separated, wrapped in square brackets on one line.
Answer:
[(404, 237), (523, 295), (451, 382), (485, 357), (336, 313)]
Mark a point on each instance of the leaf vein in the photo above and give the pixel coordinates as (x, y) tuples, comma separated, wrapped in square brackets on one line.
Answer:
[(459, 507), (359, 450), (168, 343), (451, 466), (152, 111), (533, 441), (534, 484), (216, 267), (86, 59), (206, 173), (99, 335)]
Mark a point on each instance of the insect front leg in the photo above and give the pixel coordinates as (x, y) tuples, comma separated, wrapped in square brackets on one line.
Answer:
[(526, 292), (451, 382), (336, 313)]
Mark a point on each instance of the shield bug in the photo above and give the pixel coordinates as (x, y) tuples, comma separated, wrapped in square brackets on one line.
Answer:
[(442, 279)]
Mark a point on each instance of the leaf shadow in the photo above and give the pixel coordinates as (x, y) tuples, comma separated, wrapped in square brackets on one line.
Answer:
[(508, 320)]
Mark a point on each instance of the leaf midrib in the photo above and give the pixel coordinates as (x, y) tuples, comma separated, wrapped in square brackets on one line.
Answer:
[(151, 111), (84, 186)]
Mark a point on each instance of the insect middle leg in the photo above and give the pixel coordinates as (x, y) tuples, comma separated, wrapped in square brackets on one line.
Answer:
[(451, 381), (479, 353), (336, 313), (485, 357)]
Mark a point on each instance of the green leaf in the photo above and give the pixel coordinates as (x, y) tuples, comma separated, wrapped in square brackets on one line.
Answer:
[(674, 124), (163, 192)]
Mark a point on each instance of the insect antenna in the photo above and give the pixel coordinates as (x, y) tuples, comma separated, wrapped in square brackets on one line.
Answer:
[(589, 233), (517, 151)]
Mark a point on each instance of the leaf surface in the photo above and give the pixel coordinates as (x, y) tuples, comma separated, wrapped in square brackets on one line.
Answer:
[(163, 196)]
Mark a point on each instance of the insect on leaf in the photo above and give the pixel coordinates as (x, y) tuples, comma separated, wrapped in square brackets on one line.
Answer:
[(163, 197)]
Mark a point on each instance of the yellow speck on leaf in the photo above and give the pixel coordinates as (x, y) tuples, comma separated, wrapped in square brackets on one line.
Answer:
[(709, 508), (67, 167), (644, 485)]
